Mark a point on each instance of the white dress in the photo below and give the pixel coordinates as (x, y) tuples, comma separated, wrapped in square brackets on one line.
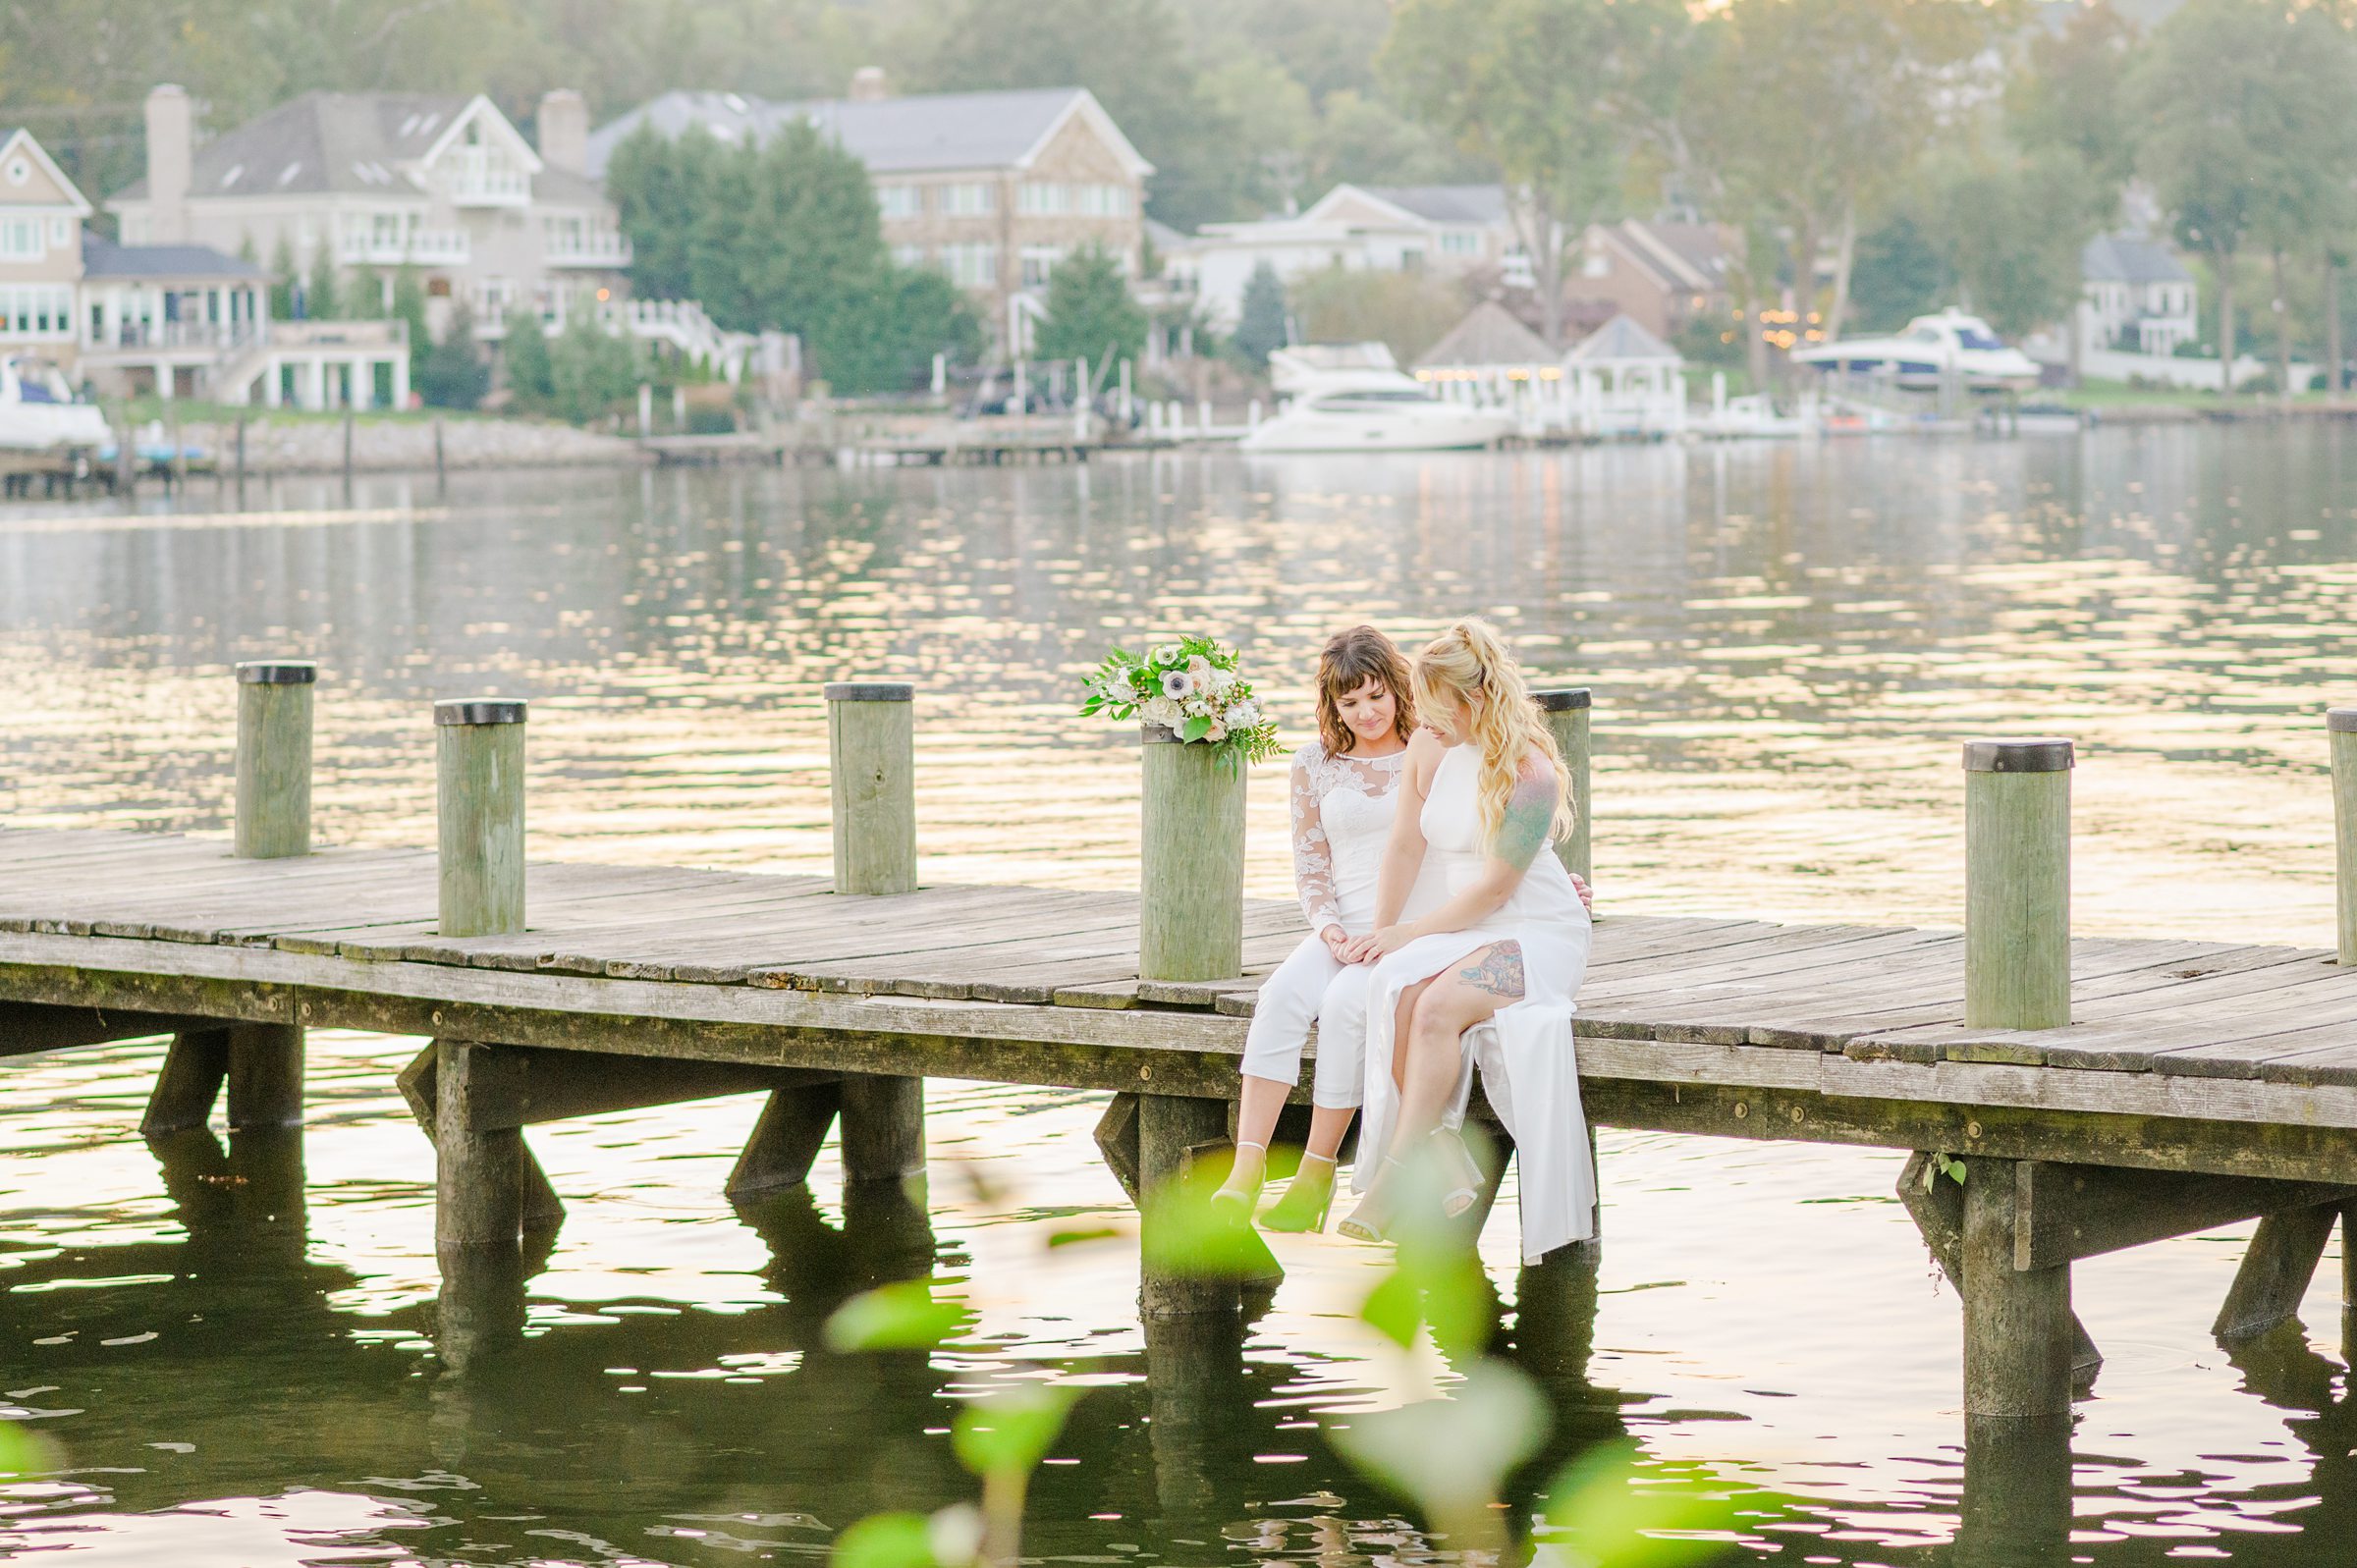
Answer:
[(1524, 1051), (1343, 808)]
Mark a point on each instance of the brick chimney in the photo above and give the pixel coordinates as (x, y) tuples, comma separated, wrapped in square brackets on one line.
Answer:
[(171, 148), (868, 85), (565, 130)]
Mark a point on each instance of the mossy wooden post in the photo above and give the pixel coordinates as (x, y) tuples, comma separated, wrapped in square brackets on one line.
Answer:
[(2018, 883), (1172, 1282), (274, 759), (481, 797), (2017, 1321), (1191, 904), (1567, 711), (871, 747), (2342, 723), (478, 1172)]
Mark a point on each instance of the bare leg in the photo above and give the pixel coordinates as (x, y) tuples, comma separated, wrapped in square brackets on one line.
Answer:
[(1258, 1100), (1306, 1202)]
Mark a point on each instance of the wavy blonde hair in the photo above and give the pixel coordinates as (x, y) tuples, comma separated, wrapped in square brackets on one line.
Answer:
[(1470, 664)]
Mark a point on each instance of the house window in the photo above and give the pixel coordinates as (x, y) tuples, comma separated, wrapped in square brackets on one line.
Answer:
[(968, 200), (908, 255), (58, 232), (1459, 243), (901, 201), (971, 266), (1597, 265), (21, 239), (1104, 201), (1038, 262), (1044, 198)]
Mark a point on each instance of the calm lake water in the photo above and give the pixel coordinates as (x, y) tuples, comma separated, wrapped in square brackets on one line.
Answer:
[(235, 1350)]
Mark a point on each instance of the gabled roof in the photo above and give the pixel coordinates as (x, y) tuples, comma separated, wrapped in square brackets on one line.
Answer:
[(324, 142), (926, 133), (1453, 204), (2129, 258), (1620, 339), (1687, 256), (101, 257), (1489, 335), (20, 140)]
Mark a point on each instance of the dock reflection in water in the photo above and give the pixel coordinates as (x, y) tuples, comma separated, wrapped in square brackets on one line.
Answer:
[(243, 1347)]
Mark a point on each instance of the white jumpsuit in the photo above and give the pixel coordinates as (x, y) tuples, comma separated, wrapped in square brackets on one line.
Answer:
[(1342, 820)]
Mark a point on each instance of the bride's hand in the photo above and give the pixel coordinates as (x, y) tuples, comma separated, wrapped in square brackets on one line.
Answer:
[(1587, 895), (1338, 942), (1376, 944)]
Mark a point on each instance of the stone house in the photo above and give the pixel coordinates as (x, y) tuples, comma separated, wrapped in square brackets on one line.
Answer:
[(992, 188)]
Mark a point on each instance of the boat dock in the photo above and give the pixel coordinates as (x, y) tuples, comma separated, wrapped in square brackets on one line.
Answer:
[(2130, 1090)]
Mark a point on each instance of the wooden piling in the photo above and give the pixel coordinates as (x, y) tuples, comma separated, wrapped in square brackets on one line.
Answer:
[(1169, 1126), (2017, 1321), (883, 1128), (2342, 724), (871, 747), (274, 758), (478, 1174), (479, 767), (265, 1076), (1567, 711), (440, 461), (2018, 883), (1191, 904), (241, 452), (348, 418)]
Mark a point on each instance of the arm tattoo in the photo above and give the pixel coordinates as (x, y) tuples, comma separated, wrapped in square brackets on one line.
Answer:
[(1529, 819), (1497, 970)]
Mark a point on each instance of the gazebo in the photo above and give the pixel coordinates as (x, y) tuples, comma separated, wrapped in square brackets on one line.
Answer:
[(1492, 360), (1622, 381)]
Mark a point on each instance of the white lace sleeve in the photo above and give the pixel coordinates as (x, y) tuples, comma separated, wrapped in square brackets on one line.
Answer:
[(1313, 855)]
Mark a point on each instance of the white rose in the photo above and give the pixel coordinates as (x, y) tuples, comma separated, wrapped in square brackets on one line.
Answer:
[(1245, 715), (1159, 710), (1218, 731)]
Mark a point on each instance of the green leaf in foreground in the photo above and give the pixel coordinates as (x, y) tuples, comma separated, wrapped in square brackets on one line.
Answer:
[(949, 1539), (1009, 1434), (1187, 1233), (896, 1316), (1610, 1514), (23, 1453), (1450, 1455)]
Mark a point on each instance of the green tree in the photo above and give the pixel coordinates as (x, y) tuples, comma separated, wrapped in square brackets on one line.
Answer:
[(1260, 323), (453, 374), (2246, 132), (1408, 311), (590, 370), (1551, 94), (2009, 230), (532, 375), (409, 305), (322, 299), (283, 279), (1898, 275), (1090, 312), (659, 185), (894, 326), (1128, 54)]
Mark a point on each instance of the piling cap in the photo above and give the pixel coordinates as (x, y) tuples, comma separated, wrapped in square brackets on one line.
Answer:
[(277, 673), (870, 691), (480, 711), (2018, 756), (2341, 721), (1563, 698)]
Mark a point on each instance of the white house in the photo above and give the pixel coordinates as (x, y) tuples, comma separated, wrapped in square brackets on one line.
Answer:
[(1441, 229), (2135, 296)]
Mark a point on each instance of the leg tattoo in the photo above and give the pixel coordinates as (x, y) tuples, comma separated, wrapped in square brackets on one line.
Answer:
[(1498, 971)]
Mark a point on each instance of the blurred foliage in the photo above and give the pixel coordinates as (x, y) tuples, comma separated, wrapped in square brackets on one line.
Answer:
[(1407, 311)]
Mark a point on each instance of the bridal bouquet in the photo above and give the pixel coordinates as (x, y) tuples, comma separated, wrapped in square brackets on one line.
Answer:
[(1190, 687)]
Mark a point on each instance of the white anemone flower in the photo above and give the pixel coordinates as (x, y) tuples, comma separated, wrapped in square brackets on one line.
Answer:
[(1176, 683)]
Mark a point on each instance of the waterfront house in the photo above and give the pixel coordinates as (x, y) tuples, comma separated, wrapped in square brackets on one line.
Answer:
[(1658, 273), (2135, 296), (171, 320), (992, 188), (1448, 230)]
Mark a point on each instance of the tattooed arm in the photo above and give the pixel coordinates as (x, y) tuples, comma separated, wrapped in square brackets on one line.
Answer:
[(1521, 835)]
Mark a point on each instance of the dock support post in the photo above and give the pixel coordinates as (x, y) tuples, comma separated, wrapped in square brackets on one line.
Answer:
[(2018, 883), (871, 749), (1192, 904), (480, 777), (2342, 724), (265, 1076), (2275, 1269), (478, 1175), (2017, 1321), (274, 759), (1568, 710), (883, 1127), (1169, 1128), (196, 1066)]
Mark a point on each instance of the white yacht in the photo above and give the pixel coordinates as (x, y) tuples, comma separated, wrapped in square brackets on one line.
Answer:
[(37, 410), (1930, 349), (1353, 397)]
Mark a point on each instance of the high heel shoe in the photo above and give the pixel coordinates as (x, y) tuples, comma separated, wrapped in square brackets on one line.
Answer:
[(1372, 1218), (1464, 1175), (1305, 1203), (1237, 1194)]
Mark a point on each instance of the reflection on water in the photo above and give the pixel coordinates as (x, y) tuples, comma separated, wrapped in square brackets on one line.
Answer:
[(244, 1348)]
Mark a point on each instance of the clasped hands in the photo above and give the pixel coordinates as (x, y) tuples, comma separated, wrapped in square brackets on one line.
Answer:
[(1347, 948)]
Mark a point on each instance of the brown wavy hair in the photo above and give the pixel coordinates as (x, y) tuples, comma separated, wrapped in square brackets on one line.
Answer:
[(1351, 660)]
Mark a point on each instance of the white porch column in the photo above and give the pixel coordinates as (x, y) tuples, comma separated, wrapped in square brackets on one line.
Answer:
[(400, 382), (273, 395), (163, 379), (313, 391), (359, 375)]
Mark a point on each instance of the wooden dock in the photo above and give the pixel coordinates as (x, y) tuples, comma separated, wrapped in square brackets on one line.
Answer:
[(2168, 1087)]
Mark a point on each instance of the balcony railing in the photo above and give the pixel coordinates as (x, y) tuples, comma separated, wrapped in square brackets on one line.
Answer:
[(595, 248), (171, 335), (473, 178), (423, 248)]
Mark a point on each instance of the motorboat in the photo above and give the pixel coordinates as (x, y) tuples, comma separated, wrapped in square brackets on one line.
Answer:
[(1928, 352), (1751, 415), (38, 411), (1353, 397)]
